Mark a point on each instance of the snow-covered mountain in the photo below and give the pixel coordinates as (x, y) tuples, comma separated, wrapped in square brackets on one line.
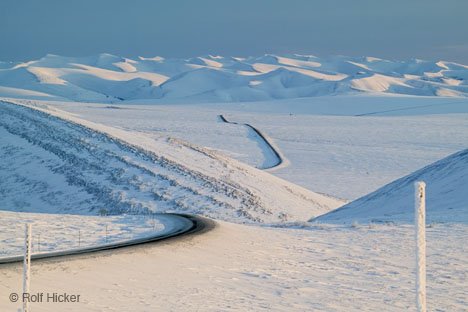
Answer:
[(109, 78), (446, 191)]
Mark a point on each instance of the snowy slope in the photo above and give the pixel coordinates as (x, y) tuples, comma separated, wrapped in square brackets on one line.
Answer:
[(447, 186), (82, 167), (109, 78)]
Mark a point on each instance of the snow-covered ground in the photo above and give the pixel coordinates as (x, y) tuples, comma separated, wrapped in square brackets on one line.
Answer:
[(351, 156), (58, 232), (125, 172), (250, 268), (327, 147)]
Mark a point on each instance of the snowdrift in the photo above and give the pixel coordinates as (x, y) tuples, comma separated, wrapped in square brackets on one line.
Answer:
[(446, 200)]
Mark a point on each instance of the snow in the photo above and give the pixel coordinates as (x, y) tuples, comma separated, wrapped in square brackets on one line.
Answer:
[(250, 268), (58, 232), (378, 83), (347, 156), (344, 156), (446, 180), (149, 174), (108, 78)]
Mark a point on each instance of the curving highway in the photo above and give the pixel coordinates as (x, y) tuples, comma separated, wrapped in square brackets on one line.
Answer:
[(64, 167), (88, 169), (177, 225), (279, 159)]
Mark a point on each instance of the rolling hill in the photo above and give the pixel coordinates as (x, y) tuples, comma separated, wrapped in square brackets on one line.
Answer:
[(109, 78)]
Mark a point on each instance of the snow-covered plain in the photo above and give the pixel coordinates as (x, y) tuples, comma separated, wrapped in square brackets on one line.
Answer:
[(87, 135), (328, 148)]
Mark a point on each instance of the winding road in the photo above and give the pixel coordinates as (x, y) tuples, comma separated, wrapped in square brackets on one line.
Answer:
[(85, 170), (270, 147), (180, 225), (88, 170)]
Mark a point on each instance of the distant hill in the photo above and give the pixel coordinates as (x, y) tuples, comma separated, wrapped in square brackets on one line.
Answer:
[(109, 78)]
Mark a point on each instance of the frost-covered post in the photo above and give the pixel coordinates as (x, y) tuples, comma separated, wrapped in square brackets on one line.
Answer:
[(26, 264), (420, 222), (106, 234)]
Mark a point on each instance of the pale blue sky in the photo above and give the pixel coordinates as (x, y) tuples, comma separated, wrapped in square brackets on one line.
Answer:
[(399, 29)]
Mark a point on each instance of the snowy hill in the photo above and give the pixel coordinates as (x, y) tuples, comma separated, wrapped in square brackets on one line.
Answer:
[(69, 165), (447, 185), (109, 78)]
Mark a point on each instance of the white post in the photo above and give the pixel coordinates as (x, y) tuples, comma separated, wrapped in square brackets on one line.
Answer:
[(420, 222), (26, 265)]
